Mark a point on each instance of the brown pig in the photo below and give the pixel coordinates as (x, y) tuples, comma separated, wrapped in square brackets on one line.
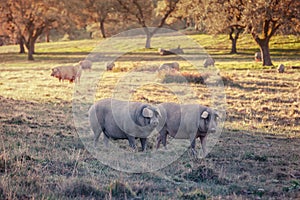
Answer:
[(70, 73)]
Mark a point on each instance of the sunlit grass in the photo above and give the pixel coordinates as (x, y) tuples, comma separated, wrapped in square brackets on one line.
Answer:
[(256, 156), (22, 79)]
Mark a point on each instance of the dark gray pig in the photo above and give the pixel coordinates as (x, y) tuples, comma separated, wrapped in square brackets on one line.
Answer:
[(123, 120), (187, 121)]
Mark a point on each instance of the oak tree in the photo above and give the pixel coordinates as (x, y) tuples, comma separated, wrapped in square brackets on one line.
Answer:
[(101, 11), (28, 19), (148, 13), (263, 18), (225, 16)]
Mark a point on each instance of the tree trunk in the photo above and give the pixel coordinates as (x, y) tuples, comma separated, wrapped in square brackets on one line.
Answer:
[(185, 21), (102, 29), (28, 45), (236, 31), (32, 45), (268, 31), (148, 41), (31, 49), (47, 35), (149, 36), (266, 58), (265, 52), (233, 46), (21, 44)]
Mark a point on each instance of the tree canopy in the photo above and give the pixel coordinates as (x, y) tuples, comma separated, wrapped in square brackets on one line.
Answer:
[(264, 18), (27, 20), (261, 18), (24, 21)]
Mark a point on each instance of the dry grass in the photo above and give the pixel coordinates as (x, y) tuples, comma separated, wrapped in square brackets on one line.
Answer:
[(264, 101), (256, 156)]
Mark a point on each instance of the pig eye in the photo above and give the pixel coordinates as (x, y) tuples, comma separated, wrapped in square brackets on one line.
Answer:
[(217, 118), (157, 113)]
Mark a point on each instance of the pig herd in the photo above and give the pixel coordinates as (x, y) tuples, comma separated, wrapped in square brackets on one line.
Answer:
[(118, 119)]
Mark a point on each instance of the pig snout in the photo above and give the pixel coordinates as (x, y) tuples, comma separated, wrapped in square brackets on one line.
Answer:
[(213, 130), (154, 122), (212, 126)]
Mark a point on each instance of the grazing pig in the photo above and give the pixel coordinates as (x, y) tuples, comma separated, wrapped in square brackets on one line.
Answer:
[(209, 61), (168, 66), (164, 52), (109, 66), (280, 68), (123, 120), (70, 73), (85, 64), (187, 121), (295, 67), (178, 50), (257, 56)]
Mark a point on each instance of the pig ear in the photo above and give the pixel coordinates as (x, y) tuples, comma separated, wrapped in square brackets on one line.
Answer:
[(204, 115), (157, 111), (147, 112)]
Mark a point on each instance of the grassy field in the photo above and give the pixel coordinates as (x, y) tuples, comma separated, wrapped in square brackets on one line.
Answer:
[(257, 156)]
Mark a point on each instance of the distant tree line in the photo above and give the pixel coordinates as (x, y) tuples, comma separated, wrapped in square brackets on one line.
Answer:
[(24, 21)]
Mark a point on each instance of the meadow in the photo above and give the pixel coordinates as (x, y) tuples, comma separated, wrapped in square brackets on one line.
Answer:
[(257, 155)]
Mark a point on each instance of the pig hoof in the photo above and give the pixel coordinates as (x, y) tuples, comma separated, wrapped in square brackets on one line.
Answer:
[(135, 150), (194, 152)]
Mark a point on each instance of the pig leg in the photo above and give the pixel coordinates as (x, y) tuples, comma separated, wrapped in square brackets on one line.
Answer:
[(144, 143), (164, 140), (193, 145), (131, 141), (97, 134), (203, 144), (158, 141), (95, 126), (106, 141)]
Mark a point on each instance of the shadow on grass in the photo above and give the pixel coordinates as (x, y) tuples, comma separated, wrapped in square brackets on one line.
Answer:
[(53, 56), (233, 167), (222, 54), (228, 82)]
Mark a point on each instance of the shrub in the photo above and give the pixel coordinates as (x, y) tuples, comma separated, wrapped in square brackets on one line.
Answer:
[(173, 76)]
